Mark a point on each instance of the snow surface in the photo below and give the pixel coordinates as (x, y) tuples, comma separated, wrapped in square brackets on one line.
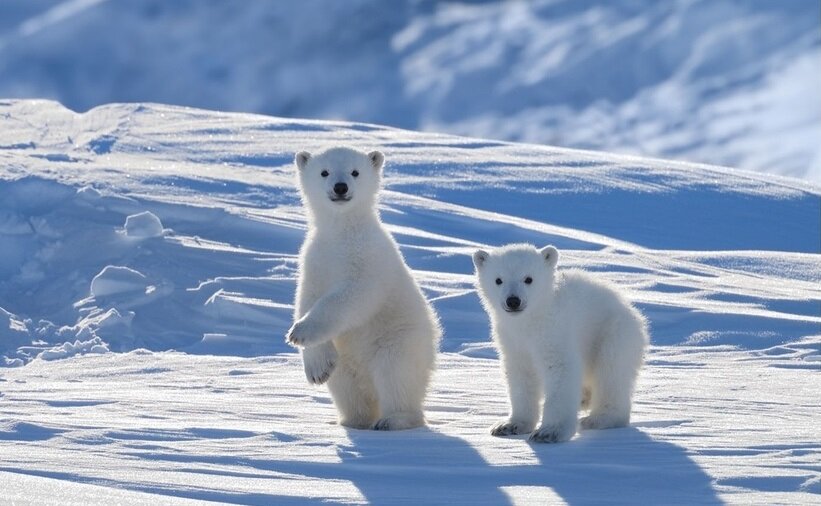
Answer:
[(730, 82), (153, 368)]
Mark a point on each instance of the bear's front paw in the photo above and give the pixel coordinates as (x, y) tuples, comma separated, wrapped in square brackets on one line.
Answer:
[(296, 335), (319, 363), (304, 332), (510, 428), (552, 434)]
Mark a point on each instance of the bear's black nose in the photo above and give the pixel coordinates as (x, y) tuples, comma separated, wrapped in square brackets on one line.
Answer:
[(340, 188), (513, 302)]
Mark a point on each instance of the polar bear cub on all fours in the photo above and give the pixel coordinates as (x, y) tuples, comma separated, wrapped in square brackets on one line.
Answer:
[(361, 321), (563, 337)]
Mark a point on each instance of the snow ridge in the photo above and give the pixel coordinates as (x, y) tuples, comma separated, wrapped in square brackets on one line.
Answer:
[(99, 263), (147, 271)]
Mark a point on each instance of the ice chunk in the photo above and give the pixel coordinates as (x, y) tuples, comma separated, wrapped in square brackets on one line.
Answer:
[(143, 225), (115, 279), (65, 350)]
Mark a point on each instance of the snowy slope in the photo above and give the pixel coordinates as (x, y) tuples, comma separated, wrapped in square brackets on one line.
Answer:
[(729, 82), (146, 228)]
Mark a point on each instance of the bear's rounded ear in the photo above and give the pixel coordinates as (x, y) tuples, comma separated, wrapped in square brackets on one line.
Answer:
[(550, 255), (480, 256), (377, 159), (301, 159)]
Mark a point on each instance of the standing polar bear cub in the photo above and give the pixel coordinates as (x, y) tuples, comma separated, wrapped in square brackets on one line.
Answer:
[(361, 320), (563, 337)]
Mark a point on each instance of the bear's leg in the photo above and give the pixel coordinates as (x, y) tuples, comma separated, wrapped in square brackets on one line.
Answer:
[(610, 400), (401, 371), (353, 395), (587, 388), (524, 391), (614, 375), (563, 396), (586, 397)]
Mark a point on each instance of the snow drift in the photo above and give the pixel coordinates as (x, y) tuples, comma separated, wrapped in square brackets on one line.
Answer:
[(86, 253), (132, 230)]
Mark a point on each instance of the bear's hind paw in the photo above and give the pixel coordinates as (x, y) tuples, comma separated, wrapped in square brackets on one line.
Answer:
[(510, 428), (399, 421), (604, 421), (551, 434)]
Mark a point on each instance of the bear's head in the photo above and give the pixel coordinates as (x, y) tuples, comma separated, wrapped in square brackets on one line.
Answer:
[(339, 180), (511, 278)]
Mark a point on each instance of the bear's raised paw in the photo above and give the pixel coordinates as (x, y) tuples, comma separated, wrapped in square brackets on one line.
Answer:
[(319, 362), (305, 332)]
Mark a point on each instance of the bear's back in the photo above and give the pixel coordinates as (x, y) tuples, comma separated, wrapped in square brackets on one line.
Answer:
[(583, 296)]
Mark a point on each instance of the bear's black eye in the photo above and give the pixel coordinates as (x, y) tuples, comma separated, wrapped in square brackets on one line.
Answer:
[(355, 173), (324, 173), (498, 281), (528, 280)]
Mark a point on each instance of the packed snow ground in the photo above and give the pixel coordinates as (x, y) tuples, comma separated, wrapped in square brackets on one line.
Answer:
[(251, 431), (729, 82), (137, 229)]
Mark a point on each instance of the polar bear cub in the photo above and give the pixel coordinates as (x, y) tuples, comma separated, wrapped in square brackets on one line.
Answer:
[(361, 321), (563, 337)]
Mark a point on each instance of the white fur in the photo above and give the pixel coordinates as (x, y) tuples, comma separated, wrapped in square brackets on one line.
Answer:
[(361, 320), (576, 342)]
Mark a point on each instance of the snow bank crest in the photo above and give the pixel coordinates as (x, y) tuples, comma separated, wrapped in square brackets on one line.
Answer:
[(68, 349), (13, 332)]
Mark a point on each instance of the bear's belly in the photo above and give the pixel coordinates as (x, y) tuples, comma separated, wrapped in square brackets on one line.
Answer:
[(393, 319)]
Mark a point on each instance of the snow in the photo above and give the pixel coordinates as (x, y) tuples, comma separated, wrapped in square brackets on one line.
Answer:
[(730, 82), (152, 367), (65, 350), (181, 426), (17, 489)]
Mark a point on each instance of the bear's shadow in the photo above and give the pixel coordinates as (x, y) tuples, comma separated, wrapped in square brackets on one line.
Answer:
[(424, 466)]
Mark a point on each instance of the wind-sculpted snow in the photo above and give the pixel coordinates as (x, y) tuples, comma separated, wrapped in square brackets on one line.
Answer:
[(189, 225), (136, 229)]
